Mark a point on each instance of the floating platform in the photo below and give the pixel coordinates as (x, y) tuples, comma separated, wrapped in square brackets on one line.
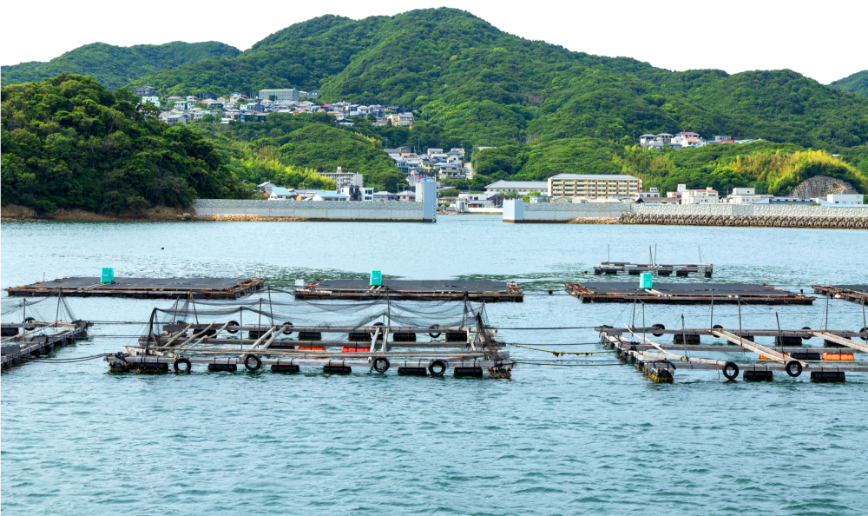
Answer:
[(439, 290), (144, 288), (855, 293), (685, 293), (25, 340), (661, 270), (660, 364)]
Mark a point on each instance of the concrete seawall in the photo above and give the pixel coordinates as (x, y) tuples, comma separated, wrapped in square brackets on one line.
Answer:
[(391, 211), (694, 214)]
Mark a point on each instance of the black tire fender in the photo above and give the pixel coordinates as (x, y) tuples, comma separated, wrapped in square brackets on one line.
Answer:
[(434, 335), (381, 364), (437, 368), (794, 368), (864, 330), (730, 370), (806, 328), (657, 327), (233, 323), (182, 360), (287, 330), (257, 362), (29, 328)]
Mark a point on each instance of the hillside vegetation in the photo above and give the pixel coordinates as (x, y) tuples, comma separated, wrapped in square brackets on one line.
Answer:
[(115, 66), (486, 87), (856, 84), (68, 142), (295, 148)]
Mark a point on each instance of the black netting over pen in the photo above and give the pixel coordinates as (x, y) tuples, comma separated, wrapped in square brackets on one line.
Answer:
[(275, 309), (46, 309)]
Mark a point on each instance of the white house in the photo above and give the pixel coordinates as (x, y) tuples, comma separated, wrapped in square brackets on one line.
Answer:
[(650, 194), (151, 100), (278, 193), (706, 196)]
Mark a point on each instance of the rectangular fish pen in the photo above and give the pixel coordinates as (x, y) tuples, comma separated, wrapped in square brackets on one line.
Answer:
[(434, 290), (142, 288), (657, 360), (855, 293), (685, 293), (706, 269), (382, 335), (35, 335)]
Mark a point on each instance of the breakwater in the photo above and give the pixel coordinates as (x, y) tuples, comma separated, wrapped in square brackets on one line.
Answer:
[(391, 211), (689, 215)]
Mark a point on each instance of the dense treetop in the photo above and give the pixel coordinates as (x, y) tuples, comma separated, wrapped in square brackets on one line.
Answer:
[(70, 143), (116, 66), (856, 83)]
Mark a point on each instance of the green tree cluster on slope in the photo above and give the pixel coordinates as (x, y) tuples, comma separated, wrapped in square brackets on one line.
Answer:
[(309, 142), (116, 66), (856, 84), (491, 88), (70, 143), (770, 168)]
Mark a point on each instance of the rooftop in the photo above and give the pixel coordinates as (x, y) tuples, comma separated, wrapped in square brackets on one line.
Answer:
[(595, 176), (518, 184)]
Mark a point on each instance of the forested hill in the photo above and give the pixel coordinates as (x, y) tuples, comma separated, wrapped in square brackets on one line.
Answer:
[(116, 66), (488, 87), (856, 83), (70, 143)]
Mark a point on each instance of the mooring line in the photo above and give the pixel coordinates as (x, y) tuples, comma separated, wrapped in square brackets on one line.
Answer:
[(559, 353)]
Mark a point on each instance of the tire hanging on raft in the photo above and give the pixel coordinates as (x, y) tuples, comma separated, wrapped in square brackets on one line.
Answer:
[(809, 329), (233, 323), (29, 328), (794, 368), (437, 368), (256, 365), (287, 328), (730, 370), (177, 365), (434, 335), (657, 327), (381, 364)]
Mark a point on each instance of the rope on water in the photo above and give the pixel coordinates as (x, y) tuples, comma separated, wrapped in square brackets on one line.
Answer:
[(560, 353)]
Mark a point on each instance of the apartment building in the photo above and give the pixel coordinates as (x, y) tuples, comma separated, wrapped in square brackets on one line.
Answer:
[(342, 178), (593, 186)]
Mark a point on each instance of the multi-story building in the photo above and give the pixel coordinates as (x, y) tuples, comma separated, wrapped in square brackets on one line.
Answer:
[(280, 95), (145, 90), (401, 119), (593, 186), (342, 178)]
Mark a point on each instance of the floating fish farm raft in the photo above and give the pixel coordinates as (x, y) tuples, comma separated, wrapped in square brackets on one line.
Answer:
[(826, 364), (144, 288), (34, 336), (436, 290), (686, 293), (855, 293), (661, 270), (383, 336)]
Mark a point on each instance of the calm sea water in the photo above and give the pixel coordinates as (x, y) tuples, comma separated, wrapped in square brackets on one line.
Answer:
[(552, 440)]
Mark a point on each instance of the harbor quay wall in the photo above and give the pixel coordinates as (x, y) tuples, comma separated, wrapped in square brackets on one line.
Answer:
[(750, 210), (393, 211), (517, 211)]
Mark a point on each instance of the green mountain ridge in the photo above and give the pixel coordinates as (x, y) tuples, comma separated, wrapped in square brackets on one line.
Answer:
[(856, 84), (116, 66), (492, 88)]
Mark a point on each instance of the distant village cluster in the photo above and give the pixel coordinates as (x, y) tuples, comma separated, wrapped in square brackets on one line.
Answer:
[(685, 140), (435, 163), (241, 108)]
